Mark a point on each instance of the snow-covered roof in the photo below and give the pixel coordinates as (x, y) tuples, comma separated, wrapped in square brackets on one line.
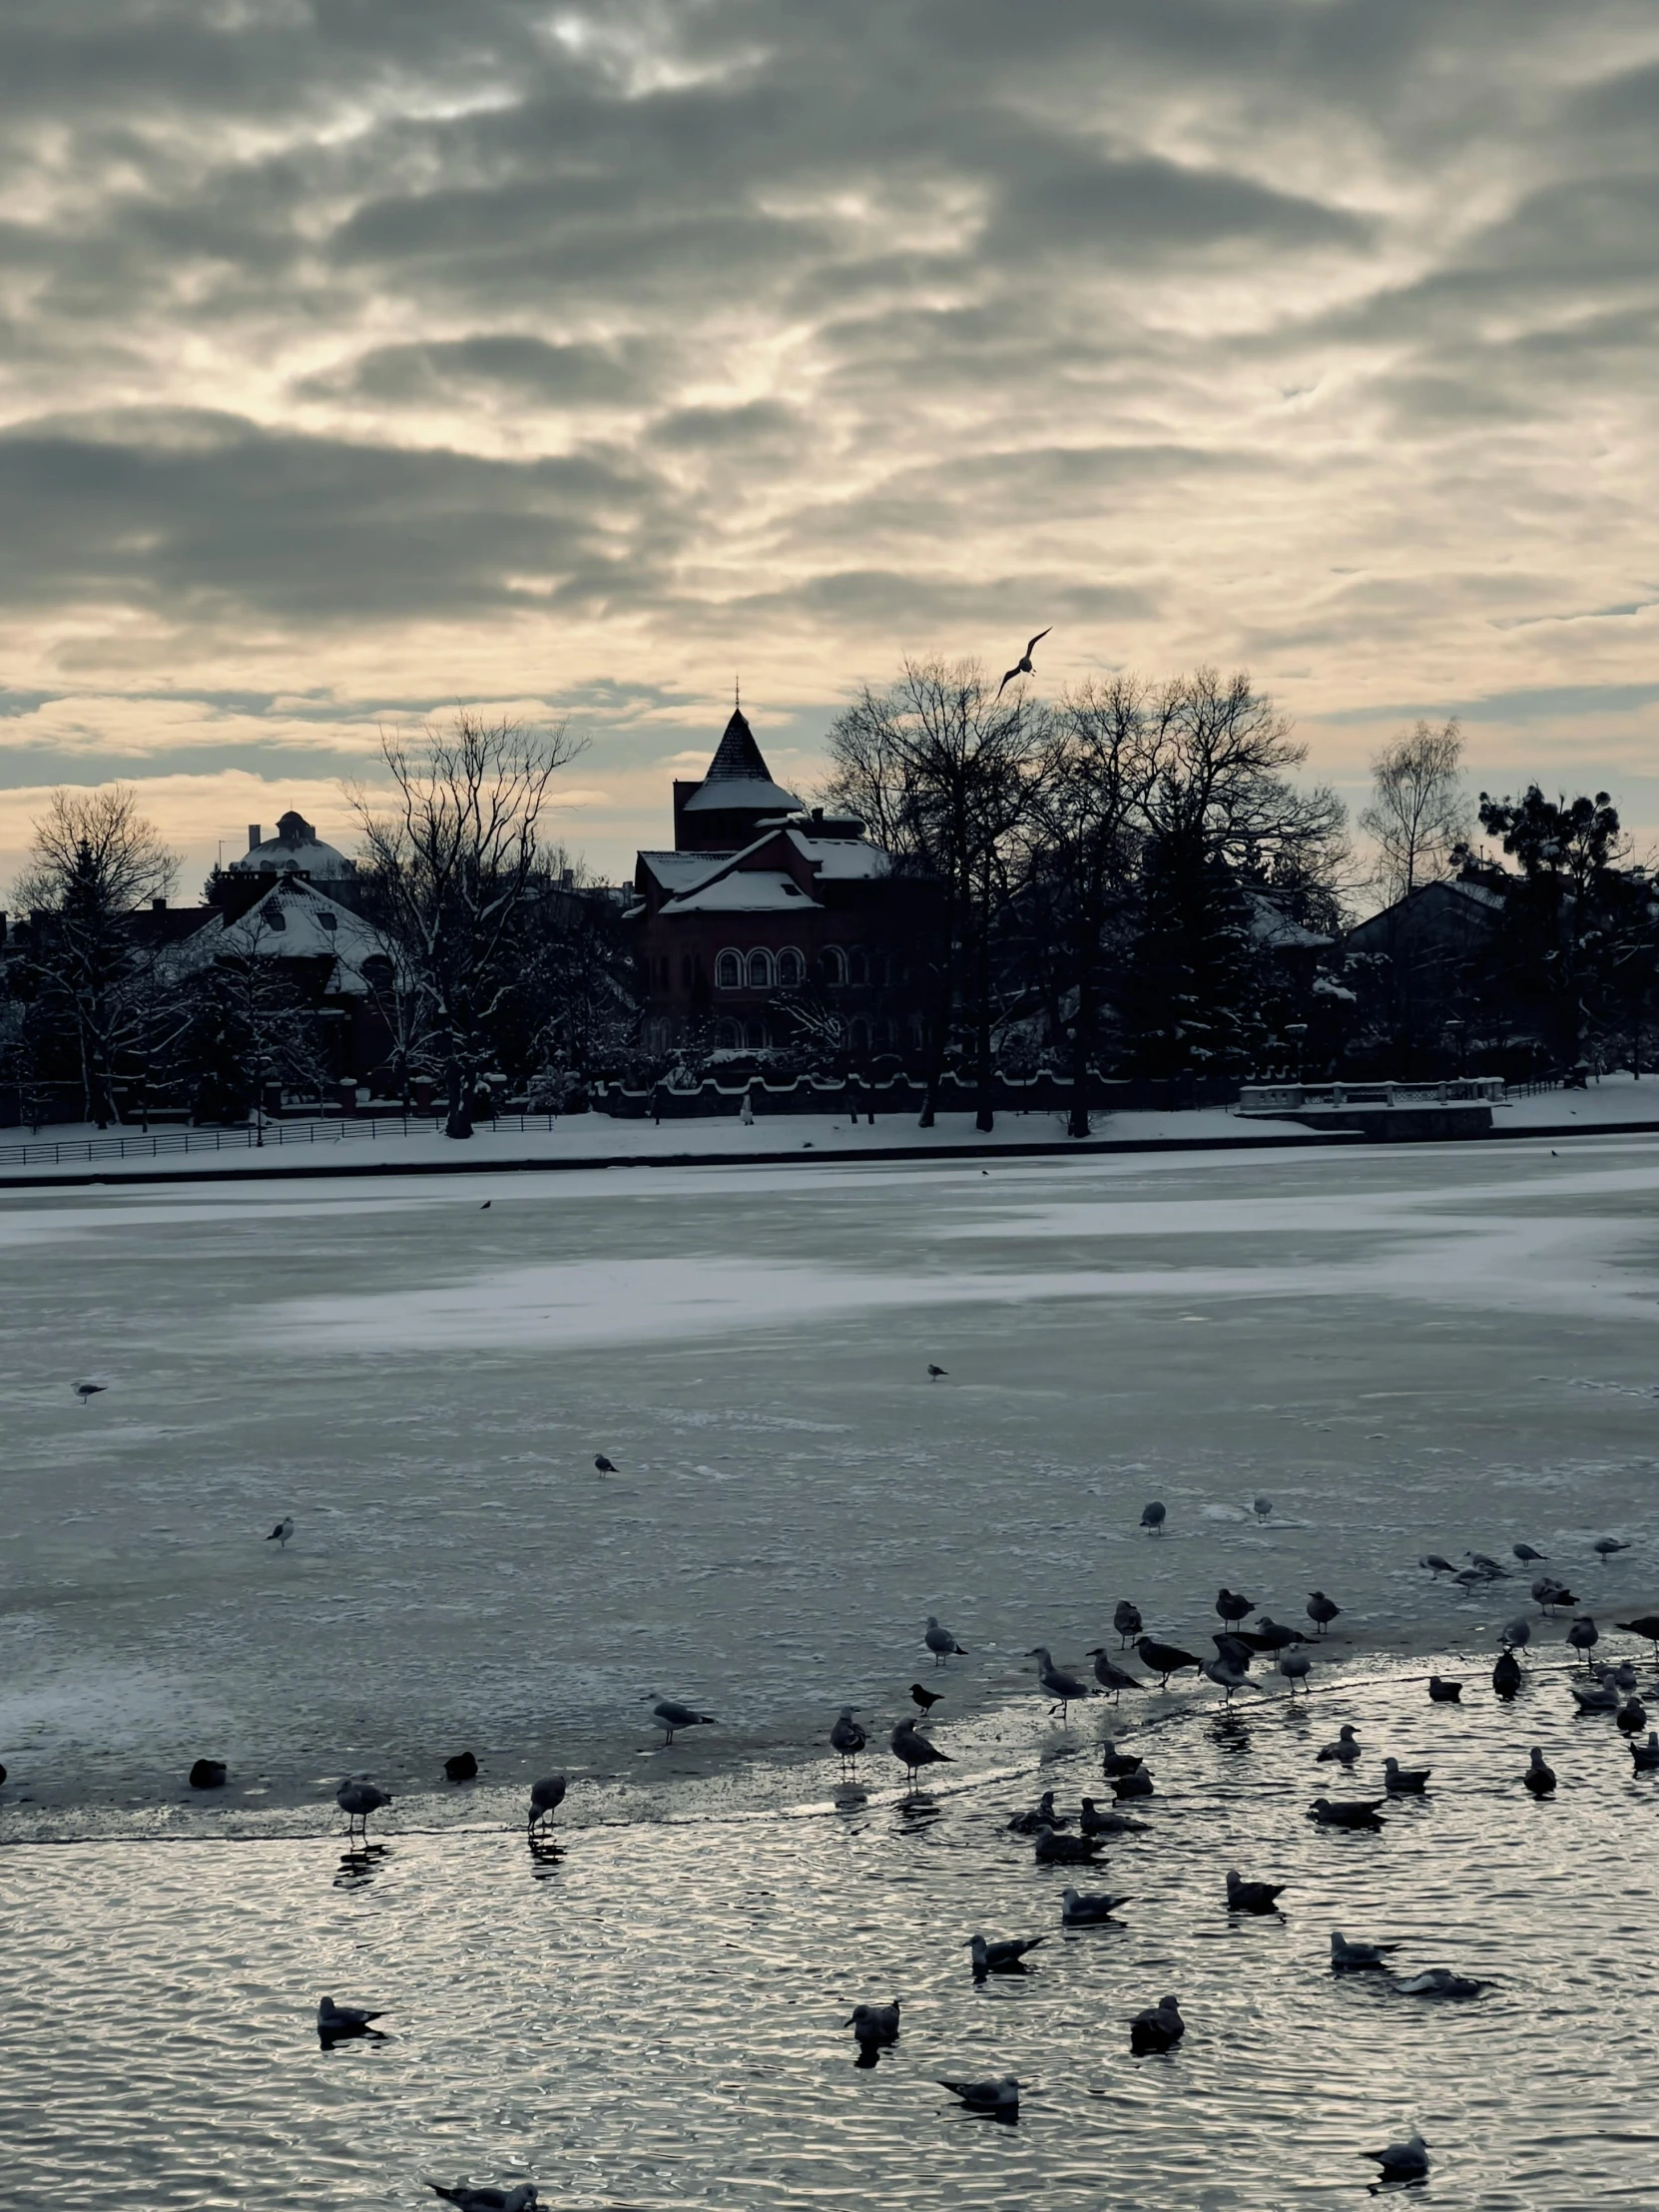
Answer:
[(1481, 893), (742, 891), (845, 859), (680, 871), (296, 922), (739, 780), (295, 849), (1271, 928)]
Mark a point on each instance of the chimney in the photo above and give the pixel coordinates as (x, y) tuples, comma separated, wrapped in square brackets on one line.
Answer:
[(254, 836), (158, 906)]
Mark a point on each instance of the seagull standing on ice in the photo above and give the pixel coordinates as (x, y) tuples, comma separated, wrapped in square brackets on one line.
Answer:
[(356, 1798), (282, 1533), (546, 1796), (847, 1739), (1022, 667), (670, 1714), (1065, 1689), (942, 1643), (85, 1390)]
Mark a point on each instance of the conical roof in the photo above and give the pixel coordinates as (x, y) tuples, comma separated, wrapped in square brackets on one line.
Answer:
[(739, 780)]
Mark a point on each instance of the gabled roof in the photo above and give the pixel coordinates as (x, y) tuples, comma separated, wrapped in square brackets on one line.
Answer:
[(745, 891), (679, 871), (295, 920), (739, 780)]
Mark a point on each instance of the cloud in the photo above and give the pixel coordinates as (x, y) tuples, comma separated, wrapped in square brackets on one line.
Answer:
[(406, 352)]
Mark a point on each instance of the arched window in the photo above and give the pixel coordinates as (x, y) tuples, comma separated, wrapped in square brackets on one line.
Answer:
[(729, 972), (759, 970), (861, 1034), (755, 1035), (728, 1037), (833, 964), (791, 968), (858, 966)]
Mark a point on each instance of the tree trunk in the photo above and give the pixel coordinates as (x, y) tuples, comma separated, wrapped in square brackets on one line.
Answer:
[(1082, 1052)]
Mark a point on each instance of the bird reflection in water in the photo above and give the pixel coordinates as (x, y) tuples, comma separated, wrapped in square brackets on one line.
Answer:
[(919, 1808), (358, 1866), (850, 1796), (546, 1858), (1230, 1731)]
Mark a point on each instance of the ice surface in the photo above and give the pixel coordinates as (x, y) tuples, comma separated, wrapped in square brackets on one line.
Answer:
[(1410, 1348)]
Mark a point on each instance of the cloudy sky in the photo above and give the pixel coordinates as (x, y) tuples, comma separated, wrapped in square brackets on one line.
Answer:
[(364, 357)]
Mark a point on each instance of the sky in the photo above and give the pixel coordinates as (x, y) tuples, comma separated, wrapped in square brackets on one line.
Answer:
[(365, 359)]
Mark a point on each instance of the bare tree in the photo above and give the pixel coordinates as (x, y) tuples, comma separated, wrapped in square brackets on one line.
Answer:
[(457, 858), (1418, 813), (939, 764), (1081, 841), (94, 860)]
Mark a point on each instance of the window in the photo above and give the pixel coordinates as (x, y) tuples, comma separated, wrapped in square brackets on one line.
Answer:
[(755, 1036), (833, 964), (861, 1034), (759, 970), (791, 968), (728, 1037), (729, 972), (857, 968), (686, 971), (330, 922)]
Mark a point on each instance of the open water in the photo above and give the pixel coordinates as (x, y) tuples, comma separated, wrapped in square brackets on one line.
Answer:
[(652, 2017)]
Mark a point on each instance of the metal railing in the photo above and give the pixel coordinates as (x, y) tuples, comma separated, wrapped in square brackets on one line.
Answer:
[(161, 1143), (1290, 1098)]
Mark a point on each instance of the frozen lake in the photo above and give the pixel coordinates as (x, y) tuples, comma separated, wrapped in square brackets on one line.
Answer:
[(1407, 1349)]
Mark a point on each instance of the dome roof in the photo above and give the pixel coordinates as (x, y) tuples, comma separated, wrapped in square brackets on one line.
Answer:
[(295, 849)]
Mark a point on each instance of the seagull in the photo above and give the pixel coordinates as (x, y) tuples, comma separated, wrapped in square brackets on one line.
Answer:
[(520, 2199), (1623, 1677), (546, 1796), (1110, 1676), (208, 1774), (925, 1698), (1233, 1605), (1548, 1593), (1163, 1659), (1440, 1981), (85, 1390), (1527, 1555), (1584, 1636), (942, 1643), (1252, 1897), (1269, 1635), (462, 1766), (939, 1373), (1443, 1692), (605, 1466), (1126, 1619), (847, 1738), (1087, 1912), (1517, 1634), (1319, 1610), (1093, 1821), (337, 2023), (1152, 1516), (1401, 1781), (1605, 1546), (1159, 2027), (1022, 667), (1646, 1625), (1051, 1850), (1406, 2161), (1004, 1958), (1346, 1812), (873, 2026), (1263, 1507), (1506, 1675), (1235, 1649), (1136, 1785), (1435, 1564), (910, 1745), (1227, 1678), (1489, 1568), (1601, 1699), (670, 1714), (1040, 1815), (1000, 2095), (1645, 1757), (1063, 1688), (1295, 1666), (1114, 1761), (356, 1798), (1346, 1958), (1345, 1750), (1631, 1719), (282, 1533)]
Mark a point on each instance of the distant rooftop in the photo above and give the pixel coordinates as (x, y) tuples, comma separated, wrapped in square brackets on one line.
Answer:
[(295, 849), (739, 778)]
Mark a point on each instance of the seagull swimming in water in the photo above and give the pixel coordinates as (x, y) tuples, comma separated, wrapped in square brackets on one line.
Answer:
[(339, 2024), (1408, 2161), (521, 2199), (1000, 1958), (1087, 1912), (1159, 2027), (1022, 667), (1346, 1958), (998, 2095)]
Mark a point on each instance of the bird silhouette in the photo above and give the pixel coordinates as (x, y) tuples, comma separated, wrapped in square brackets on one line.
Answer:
[(1022, 667), (84, 1391), (282, 1533), (925, 1698), (605, 1466), (937, 1374)]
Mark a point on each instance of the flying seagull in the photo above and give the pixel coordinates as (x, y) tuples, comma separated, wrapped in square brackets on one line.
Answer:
[(282, 1533), (1022, 667)]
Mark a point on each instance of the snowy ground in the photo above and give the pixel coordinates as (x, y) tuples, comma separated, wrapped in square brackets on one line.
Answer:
[(1426, 1346), (1615, 1099)]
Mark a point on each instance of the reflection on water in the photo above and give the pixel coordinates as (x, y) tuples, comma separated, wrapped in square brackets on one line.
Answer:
[(655, 2015)]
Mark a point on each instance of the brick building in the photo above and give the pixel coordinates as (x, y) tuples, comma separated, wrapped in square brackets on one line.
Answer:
[(768, 919)]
